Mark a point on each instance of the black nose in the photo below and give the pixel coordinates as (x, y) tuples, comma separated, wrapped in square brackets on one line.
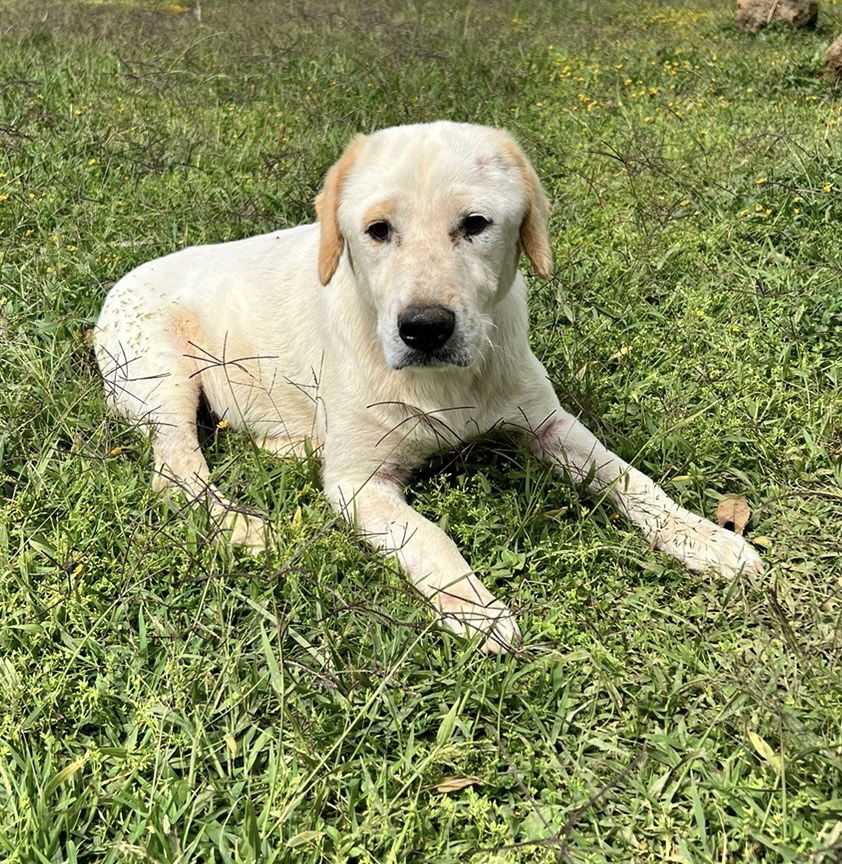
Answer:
[(426, 328)]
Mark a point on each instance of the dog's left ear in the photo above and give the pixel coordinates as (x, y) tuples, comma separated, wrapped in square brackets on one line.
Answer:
[(331, 241), (534, 233)]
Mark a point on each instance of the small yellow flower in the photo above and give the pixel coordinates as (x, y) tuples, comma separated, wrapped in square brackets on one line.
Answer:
[(28, 233), (72, 248), (49, 269), (115, 451), (92, 161), (735, 328), (762, 180), (827, 187), (223, 424), (699, 313), (31, 196), (2, 174), (4, 197)]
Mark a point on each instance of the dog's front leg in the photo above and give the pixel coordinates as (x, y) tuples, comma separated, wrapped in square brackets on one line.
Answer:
[(430, 558), (695, 541)]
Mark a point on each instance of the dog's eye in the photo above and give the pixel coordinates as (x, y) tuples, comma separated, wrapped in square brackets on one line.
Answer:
[(474, 224), (379, 231)]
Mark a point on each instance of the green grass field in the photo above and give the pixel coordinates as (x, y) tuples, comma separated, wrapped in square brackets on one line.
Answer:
[(167, 699)]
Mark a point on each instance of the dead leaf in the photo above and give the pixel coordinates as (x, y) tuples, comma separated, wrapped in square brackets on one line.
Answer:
[(455, 784), (765, 751), (733, 513)]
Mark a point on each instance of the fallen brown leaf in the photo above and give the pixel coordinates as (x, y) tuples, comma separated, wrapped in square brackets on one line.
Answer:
[(454, 784), (733, 513)]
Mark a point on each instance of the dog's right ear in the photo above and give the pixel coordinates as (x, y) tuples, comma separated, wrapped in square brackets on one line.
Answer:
[(331, 241)]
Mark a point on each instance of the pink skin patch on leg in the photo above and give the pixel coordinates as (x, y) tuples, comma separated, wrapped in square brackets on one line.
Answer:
[(391, 474), (547, 435)]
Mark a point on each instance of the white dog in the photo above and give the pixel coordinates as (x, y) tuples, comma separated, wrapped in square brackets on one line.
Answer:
[(392, 329)]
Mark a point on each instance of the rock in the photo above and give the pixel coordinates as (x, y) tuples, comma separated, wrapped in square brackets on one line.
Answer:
[(833, 61), (753, 15)]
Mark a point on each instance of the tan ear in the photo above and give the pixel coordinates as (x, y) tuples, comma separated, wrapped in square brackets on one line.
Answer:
[(534, 236), (331, 241)]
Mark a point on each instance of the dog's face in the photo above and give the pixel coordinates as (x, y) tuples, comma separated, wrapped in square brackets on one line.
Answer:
[(432, 218)]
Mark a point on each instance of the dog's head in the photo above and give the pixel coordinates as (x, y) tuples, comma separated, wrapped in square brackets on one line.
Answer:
[(432, 218)]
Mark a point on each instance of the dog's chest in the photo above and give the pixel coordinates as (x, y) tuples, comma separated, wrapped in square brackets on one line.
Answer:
[(422, 421)]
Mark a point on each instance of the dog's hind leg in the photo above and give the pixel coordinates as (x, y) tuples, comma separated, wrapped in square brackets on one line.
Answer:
[(167, 403), (179, 464)]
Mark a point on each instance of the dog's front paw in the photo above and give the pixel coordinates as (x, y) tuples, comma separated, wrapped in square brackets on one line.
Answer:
[(467, 608), (700, 545)]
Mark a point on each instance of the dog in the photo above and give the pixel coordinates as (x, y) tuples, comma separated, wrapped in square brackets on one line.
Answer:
[(392, 329)]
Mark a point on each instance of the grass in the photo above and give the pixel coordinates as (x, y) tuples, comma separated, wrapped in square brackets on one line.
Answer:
[(166, 699)]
